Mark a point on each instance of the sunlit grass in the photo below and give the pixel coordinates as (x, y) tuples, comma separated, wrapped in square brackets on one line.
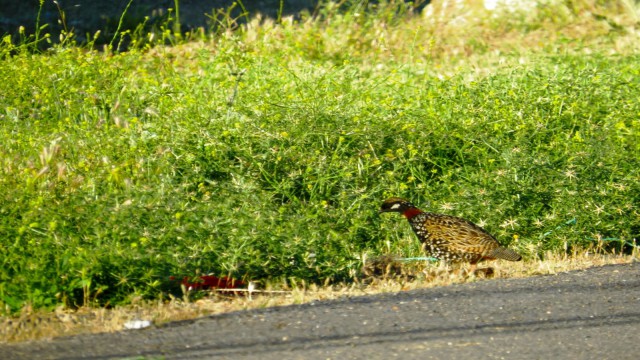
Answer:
[(264, 153)]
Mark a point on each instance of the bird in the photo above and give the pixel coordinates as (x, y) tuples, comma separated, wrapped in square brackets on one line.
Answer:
[(450, 238)]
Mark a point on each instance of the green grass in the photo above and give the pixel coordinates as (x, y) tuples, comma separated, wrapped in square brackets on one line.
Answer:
[(265, 153)]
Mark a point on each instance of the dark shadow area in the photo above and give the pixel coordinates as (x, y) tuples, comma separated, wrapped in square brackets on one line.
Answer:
[(85, 17)]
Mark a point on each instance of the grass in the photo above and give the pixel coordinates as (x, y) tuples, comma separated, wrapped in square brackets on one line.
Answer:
[(264, 153)]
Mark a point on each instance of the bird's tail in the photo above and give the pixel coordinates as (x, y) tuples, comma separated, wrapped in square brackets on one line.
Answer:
[(506, 254)]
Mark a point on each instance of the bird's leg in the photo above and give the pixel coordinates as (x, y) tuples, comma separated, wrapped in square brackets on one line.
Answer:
[(488, 272), (473, 267)]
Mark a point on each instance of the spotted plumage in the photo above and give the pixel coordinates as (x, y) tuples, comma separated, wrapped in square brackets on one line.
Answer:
[(450, 238)]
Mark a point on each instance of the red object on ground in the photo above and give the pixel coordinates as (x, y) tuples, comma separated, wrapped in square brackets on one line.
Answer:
[(209, 282)]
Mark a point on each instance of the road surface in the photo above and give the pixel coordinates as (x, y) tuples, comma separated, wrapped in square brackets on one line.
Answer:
[(587, 314)]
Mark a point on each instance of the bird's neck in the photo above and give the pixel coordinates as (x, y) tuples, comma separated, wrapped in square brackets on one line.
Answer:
[(410, 213)]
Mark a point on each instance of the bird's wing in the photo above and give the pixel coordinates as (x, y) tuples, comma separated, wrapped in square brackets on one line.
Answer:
[(460, 235)]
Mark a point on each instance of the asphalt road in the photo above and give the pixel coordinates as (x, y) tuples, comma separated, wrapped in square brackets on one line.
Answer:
[(589, 314)]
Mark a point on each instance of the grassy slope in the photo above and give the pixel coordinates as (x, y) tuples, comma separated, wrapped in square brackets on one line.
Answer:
[(120, 170)]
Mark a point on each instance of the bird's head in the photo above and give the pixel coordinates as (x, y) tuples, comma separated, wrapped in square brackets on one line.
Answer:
[(395, 204)]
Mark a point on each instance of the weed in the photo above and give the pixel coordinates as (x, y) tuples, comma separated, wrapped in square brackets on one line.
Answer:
[(122, 169)]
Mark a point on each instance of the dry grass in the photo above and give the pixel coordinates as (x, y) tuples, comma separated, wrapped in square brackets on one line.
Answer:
[(35, 325)]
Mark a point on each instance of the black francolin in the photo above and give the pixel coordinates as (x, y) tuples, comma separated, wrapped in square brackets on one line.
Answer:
[(450, 238)]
